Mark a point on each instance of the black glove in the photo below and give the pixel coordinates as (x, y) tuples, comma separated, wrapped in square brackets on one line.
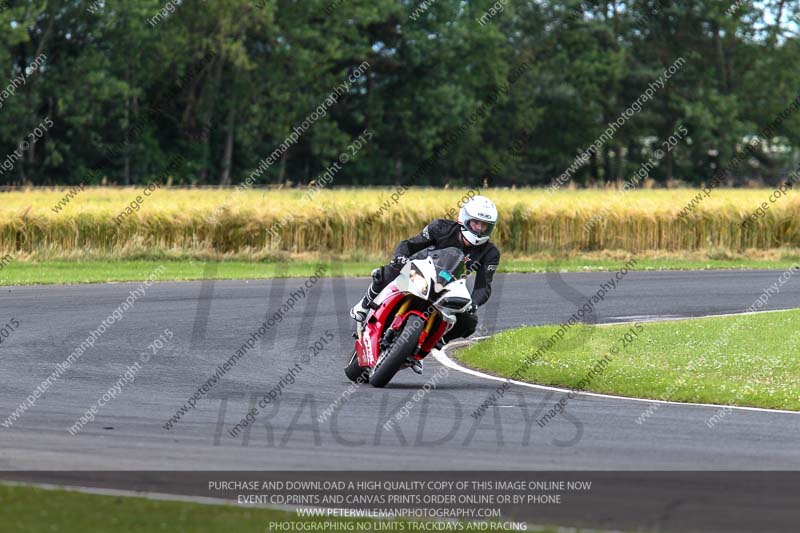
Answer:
[(399, 262), (473, 308)]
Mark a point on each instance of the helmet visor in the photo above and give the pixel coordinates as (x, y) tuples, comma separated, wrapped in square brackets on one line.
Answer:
[(481, 228)]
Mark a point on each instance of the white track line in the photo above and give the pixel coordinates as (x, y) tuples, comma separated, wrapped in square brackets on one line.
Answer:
[(97, 491), (656, 318), (443, 358)]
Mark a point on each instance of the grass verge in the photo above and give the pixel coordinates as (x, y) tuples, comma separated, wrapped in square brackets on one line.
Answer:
[(69, 272), (34, 510), (749, 360), (41, 272), (29, 509)]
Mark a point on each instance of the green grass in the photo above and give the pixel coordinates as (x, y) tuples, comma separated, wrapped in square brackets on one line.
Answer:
[(67, 272), (101, 271), (578, 264), (34, 510), (749, 360)]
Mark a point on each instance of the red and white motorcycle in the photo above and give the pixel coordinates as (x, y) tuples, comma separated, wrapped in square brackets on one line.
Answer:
[(410, 316)]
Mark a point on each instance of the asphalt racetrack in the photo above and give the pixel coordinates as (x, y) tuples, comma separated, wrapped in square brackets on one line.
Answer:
[(210, 321), (175, 336)]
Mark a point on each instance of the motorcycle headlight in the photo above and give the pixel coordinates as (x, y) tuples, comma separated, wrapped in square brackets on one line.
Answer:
[(419, 281), (454, 302)]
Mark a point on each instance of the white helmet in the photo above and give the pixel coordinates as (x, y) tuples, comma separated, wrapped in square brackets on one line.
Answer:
[(481, 209)]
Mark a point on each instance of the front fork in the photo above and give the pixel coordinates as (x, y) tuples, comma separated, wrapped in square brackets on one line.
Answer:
[(435, 328)]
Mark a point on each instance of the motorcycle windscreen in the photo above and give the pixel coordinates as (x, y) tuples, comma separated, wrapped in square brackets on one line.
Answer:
[(449, 263)]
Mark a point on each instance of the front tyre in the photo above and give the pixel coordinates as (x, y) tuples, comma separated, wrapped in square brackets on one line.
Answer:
[(402, 348)]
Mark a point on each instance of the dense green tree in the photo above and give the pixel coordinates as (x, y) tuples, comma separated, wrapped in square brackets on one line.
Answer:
[(201, 92)]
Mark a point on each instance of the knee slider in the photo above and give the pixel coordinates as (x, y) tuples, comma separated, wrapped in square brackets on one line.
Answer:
[(470, 323)]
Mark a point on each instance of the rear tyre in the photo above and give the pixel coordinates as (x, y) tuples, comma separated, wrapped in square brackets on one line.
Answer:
[(404, 346), (355, 373)]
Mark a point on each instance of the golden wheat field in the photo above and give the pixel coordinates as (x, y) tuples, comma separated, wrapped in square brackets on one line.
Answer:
[(221, 221)]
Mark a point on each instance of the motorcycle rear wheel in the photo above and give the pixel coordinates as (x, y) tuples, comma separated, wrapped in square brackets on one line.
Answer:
[(356, 373)]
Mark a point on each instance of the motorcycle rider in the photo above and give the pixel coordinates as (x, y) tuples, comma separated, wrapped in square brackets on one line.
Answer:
[(476, 222)]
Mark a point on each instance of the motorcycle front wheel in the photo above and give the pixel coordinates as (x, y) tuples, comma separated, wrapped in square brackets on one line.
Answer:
[(403, 347)]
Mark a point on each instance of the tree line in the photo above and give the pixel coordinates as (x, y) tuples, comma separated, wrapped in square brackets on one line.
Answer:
[(222, 84)]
